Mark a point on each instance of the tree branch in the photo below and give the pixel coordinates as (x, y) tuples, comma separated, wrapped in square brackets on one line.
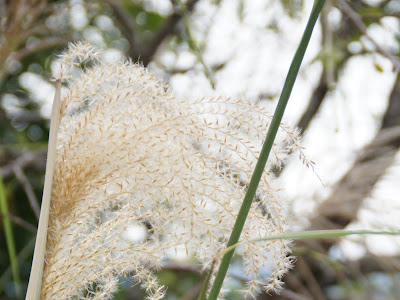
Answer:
[(310, 279), (39, 46), (168, 28), (346, 198), (330, 69), (23, 116), (17, 220), (23, 161), (142, 50), (127, 27), (316, 100), (288, 294), (33, 201), (358, 22)]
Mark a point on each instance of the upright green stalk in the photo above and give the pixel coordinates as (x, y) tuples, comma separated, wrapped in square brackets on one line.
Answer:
[(25, 252), (10, 240), (273, 129)]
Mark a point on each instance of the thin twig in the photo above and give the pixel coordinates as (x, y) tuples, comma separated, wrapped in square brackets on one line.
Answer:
[(372, 15), (145, 50), (169, 27), (25, 116), (33, 201), (310, 279), (193, 46), (295, 282), (288, 294), (182, 267), (328, 42), (193, 292), (126, 25), (40, 45), (19, 221), (358, 22), (38, 30), (22, 161)]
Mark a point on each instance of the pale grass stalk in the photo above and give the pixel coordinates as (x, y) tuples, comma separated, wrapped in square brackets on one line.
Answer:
[(35, 278)]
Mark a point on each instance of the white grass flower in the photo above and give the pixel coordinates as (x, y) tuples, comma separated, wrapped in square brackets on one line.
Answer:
[(131, 155)]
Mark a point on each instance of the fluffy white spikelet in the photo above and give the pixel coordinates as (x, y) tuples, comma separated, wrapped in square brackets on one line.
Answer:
[(130, 155)]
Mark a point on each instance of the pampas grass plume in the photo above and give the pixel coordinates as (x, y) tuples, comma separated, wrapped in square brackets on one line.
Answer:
[(131, 158)]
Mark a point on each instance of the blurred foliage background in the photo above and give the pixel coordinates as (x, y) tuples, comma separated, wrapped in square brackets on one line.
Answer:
[(173, 39)]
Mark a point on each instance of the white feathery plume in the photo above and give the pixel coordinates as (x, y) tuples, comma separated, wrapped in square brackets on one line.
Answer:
[(130, 156)]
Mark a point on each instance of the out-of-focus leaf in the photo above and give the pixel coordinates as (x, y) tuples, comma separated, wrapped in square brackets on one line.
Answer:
[(292, 7), (378, 67)]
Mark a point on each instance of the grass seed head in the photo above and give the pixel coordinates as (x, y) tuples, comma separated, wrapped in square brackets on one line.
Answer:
[(131, 158)]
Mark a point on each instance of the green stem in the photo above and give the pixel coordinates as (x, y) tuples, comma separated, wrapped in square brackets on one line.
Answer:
[(273, 129), (22, 257), (312, 234), (204, 289), (10, 240)]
